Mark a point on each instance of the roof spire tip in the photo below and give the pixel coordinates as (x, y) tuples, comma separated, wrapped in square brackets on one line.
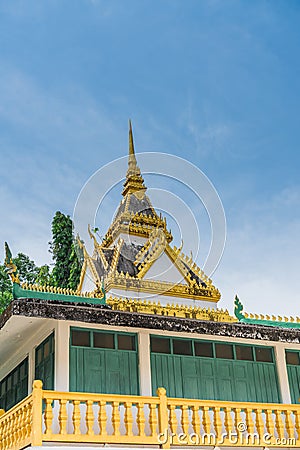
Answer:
[(131, 144)]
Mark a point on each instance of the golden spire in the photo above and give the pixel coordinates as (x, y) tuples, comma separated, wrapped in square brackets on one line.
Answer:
[(134, 180), (131, 144)]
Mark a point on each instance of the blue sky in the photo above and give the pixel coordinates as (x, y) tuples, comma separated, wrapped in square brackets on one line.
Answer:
[(211, 81)]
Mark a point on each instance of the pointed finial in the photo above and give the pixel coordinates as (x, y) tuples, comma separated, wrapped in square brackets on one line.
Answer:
[(131, 144), (134, 181), (132, 163)]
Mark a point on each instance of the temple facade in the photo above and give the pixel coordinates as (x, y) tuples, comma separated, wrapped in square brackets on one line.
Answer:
[(140, 355)]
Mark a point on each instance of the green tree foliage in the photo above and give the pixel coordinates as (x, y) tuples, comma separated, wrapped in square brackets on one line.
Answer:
[(67, 257), (44, 277), (76, 261), (67, 267), (5, 288), (27, 269), (28, 272)]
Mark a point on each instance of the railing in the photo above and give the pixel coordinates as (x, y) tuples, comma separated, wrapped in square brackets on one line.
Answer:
[(49, 416), (16, 425)]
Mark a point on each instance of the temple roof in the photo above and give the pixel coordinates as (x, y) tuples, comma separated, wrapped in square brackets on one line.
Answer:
[(135, 240)]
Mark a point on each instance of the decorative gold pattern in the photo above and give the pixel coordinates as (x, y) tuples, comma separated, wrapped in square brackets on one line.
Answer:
[(126, 282), (172, 310), (272, 318), (151, 251), (137, 224), (58, 290)]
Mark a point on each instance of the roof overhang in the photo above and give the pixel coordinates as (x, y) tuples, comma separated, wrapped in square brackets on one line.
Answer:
[(35, 311)]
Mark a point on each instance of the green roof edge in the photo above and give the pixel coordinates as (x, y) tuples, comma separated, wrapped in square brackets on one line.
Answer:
[(238, 312), (19, 292)]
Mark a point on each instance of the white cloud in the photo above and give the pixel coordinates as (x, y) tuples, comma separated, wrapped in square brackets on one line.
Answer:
[(49, 146), (261, 261)]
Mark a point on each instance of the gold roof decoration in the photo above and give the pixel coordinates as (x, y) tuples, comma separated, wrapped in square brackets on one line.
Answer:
[(134, 183), (170, 310), (123, 263), (135, 214)]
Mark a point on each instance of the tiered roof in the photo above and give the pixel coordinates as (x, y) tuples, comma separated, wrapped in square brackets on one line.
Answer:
[(123, 265)]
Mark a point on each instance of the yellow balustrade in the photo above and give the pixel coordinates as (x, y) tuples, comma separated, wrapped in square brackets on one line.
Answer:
[(73, 417)]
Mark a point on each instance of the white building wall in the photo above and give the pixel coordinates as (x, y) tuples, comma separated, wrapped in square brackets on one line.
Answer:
[(62, 330), (163, 299), (25, 346), (163, 269)]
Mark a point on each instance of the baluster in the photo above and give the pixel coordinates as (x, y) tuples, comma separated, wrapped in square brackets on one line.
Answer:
[(173, 419), (23, 423), (206, 420), (4, 434), (228, 422), (1, 427), (128, 418), (8, 430), (28, 420), (9, 434), (76, 417), (217, 422), (141, 419), (153, 419), (269, 422), (102, 417), (238, 417), (196, 420), (12, 424), (12, 430), (62, 416), (259, 423), (279, 424), (249, 421), (115, 419), (19, 425), (48, 417), (89, 418), (21, 418), (297, 422), (185, 419), (237, 422), (289, 424)]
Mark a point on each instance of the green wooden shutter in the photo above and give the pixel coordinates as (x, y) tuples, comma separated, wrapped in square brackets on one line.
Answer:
[(44, 362), (293, 370), (214, 378), (104, 370), (294, 382), (14, 387)]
